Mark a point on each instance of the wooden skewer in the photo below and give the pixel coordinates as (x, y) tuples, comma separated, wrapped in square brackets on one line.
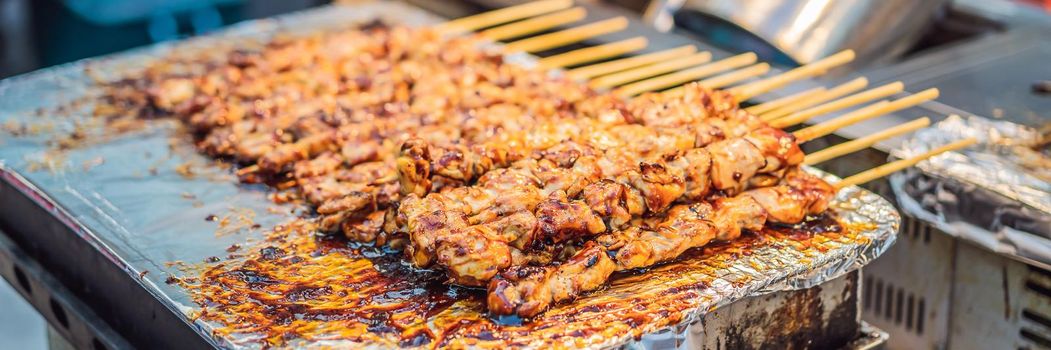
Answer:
[(650, 70), (504, 15), (778, 103), (568, 36), (248, 170), (857, 115), (834, 93), (287, 184), (598, 69), (593, 53), (747, 91), (871, 111), (889, 168), (865, 142), (669, 80), (735, 76), (534, 24), (725, 79), (847, 102)]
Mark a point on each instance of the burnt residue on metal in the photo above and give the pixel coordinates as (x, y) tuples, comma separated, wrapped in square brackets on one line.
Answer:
[(800, 319), (301, 285), (797, 318), (844, 320)]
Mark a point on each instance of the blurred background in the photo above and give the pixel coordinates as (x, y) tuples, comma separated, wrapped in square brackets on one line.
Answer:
[(41, 33)]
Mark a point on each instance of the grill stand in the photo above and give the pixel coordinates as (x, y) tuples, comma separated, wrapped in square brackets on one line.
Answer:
[(67, 315), (828, 315), (92, 296), (823, 317), (966, 297), (71, 280)]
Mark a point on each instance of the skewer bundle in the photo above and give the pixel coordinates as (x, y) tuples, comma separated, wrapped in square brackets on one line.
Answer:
[(537, 187)]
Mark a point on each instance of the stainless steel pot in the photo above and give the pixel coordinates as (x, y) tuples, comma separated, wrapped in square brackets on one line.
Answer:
[(806, 30)]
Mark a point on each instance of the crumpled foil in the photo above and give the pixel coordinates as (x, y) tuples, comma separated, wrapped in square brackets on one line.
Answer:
[(131, 197), (996, 194)]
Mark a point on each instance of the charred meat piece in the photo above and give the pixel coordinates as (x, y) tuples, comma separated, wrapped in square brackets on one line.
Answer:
[(527, 291)]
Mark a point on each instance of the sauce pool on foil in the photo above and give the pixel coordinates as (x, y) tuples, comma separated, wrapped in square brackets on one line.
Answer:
[(301, 285)]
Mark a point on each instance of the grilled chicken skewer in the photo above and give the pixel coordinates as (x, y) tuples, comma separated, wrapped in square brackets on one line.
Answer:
[(473, 232), (343, 140), (672, 118), (249, 103), (357, 132), (338, 151), (474, 244), (332, 119), (309, 147), (540, 203), (528, 290), (709, 115)]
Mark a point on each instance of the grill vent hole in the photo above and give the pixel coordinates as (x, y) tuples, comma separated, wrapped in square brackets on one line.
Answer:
[(22, 280), (926, 233), (917, 230), (909, 309), (867, 293), (1035, 338), (1037, 270), (1035, 317), (888, 312), (921, 314), (1038, 288), (895, 305), (898, 306), (878, 303), (909, 228), (59, 313)]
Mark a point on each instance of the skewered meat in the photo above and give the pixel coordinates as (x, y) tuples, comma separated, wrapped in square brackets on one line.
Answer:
[(582, 200), (540, 189), (505, 176), (331, 117), (704, 114), (528, 290)]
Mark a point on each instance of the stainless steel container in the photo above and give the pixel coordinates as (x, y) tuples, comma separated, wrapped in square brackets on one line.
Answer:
[(806, 30)]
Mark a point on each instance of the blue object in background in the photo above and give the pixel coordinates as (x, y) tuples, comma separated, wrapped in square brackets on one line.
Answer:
[(161, 16), (21, 327), (117, 12), (43, 33)]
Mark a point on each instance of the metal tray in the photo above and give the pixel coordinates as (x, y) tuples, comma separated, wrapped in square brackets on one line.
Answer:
[(995, 194), (130, 199)]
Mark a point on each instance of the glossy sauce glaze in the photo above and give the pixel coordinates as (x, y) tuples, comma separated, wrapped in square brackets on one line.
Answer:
[(301, 285)]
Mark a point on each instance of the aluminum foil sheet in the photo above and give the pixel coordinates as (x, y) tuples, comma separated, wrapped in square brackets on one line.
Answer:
[(142, 198), (996, 194)]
